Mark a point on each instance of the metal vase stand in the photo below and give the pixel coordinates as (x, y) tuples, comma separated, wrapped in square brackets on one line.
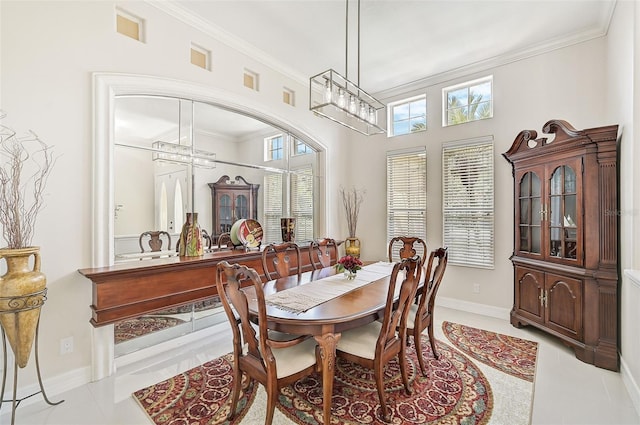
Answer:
[(19, 304)]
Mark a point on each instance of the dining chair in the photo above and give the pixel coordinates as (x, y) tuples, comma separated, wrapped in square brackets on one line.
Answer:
[(155, 240), (281, 260), (272, 362), (375, 344), (421, 313), (406, 247), (323, 253), (224, 241)]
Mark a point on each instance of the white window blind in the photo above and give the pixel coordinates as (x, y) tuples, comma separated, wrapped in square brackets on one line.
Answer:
[(302, 203), (467, 202), (407, 193), (272, 208)]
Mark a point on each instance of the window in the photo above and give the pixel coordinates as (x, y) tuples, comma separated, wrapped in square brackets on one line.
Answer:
[(408, 116), (288, 96), (301, 148), (302, 202), (470, 101), (200, 57), (250, 80), (274, 148), (467, 202), (407, 193), (129, 25), (272, 208)]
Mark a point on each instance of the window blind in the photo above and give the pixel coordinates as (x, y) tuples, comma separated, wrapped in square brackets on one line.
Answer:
[(468, 202), (272, 208), (302, 202), (407, 193)]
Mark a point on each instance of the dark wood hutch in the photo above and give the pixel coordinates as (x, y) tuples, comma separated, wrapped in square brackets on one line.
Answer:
[(232, 200), (565, 254)]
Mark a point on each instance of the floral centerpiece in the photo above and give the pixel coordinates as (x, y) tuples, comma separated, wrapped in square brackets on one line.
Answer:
[(349, 265)]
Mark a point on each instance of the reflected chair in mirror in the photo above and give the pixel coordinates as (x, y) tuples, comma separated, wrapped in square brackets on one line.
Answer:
[(274, 363), (281, 260), (224, 241), (376, 344), (407, 247), (155, 242), (206, 239), (323, 253), (421, 313)]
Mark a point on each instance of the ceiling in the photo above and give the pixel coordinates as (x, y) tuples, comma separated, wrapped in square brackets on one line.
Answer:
[(401, 41)]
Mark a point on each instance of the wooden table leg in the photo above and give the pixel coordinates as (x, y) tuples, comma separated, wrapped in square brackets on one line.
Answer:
[(327, 344)]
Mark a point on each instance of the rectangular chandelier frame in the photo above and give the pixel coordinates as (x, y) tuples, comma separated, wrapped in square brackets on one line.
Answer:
[(333, 96), (182, 154)]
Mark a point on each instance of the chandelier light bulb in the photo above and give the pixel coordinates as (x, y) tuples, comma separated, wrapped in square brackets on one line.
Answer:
[(372, 115), (327, 92), (341, 100), (353, 108), (363, 111)]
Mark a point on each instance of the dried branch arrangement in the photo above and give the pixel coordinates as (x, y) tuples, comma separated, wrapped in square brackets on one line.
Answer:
[(18, 208), (352, 200)]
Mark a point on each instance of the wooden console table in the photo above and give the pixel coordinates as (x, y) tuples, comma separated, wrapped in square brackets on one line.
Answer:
[(128, 290)]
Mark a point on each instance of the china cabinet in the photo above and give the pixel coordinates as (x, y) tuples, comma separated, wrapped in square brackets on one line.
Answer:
[(565, 254), (232, 200)]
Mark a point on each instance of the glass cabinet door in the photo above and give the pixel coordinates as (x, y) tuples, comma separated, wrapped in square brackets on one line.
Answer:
[(224, 214), (242, 207), (530, 213), (562, 213)]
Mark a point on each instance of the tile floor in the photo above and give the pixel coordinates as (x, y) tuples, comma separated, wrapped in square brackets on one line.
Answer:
[(567, 391)]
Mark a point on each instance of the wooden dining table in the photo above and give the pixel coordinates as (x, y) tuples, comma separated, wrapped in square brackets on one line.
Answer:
[(326, 321)]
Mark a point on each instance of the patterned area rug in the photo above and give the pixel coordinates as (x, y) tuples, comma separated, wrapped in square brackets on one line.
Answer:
[(455, 392), (508, 354), (129, 329)]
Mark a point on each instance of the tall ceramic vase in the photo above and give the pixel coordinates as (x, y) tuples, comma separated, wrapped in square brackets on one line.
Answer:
[(287, 228), (352, 247), (21, 299), (191, 237)]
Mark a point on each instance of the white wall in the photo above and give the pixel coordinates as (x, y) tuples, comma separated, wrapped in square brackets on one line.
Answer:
[(623, 106), (50, 49), (563, 84)]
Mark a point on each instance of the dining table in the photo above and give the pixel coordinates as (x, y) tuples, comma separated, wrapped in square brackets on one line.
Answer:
[(324, 303)]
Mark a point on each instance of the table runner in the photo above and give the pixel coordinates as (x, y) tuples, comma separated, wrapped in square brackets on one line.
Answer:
[(302, 298)]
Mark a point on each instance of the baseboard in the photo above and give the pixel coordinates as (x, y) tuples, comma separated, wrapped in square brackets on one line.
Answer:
[(53, 387), (482, 309), (631, 385)]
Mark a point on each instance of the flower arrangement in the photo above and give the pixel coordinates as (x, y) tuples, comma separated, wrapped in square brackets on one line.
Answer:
[(349, 264)]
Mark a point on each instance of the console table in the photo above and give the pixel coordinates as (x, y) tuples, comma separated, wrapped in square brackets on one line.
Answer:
[(128, 290)]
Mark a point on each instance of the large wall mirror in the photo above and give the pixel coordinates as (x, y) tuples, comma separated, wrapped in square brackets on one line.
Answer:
[(168, 154), (158, 146)]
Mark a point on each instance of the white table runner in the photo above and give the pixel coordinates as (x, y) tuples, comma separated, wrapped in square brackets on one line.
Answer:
[(302, 298)]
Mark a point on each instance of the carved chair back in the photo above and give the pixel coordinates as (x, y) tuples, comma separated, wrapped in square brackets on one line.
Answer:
[(280, 260), (155, 240), (406, 247), (323, 253)]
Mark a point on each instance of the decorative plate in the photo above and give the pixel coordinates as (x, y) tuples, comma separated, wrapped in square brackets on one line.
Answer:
[(250, 233), (233, 233)]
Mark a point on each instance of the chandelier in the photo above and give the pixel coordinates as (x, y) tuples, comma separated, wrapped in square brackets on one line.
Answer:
[(333, 96)]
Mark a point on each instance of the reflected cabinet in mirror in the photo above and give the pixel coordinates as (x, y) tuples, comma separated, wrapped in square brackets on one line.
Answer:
[(174, 156)]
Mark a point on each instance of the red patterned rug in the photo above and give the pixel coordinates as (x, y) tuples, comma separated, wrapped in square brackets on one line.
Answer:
[(455, 392), (509, 354), (129, 329)]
